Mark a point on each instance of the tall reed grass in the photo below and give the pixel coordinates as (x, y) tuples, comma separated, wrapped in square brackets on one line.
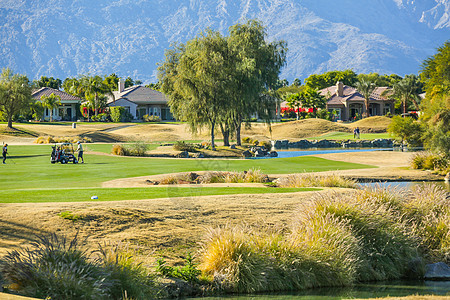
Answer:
[(335, 239), (316, 180)]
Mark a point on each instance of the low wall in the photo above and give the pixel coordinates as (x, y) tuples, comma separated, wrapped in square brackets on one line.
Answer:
[(304, 144)]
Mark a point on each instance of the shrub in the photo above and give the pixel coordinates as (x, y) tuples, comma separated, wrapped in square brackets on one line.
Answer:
[(247, 140), (62, 139), (120, 114), (188, 272), (266, 144), (68, 215), (151, 118), (118, 150), (418, 160), (183, 146)]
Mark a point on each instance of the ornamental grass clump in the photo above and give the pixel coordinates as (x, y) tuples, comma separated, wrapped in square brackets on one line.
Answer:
[(429, 211), (316, 180), (55, 268)]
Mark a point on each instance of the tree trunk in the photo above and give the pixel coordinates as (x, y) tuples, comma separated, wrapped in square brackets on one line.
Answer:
[(238, 133), (225, 134), (213, 147), (404, 107), (298, 113), (366, 103), (10, 122), (95, 105)]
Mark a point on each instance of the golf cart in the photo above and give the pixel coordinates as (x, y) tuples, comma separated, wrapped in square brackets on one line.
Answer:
[(63, 153)]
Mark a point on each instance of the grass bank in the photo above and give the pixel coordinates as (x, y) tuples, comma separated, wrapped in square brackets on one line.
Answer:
[(117, 194)]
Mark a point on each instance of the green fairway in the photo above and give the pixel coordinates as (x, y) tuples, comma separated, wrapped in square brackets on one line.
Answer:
[(114, 194), (29, 168), (349, 136)]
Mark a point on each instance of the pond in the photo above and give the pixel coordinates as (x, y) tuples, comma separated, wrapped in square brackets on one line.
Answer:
[(314, 151), (370, 290), (404, 184)]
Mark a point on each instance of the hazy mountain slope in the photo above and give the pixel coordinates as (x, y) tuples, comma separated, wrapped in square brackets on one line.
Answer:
[(64, 38)]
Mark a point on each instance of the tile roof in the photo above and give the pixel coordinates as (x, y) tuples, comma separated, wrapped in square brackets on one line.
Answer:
[(46, 91), (350, 94), (140, 95)]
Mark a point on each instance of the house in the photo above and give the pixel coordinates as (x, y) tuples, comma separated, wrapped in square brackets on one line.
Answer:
[(67, 111), (349, 103), (141, 101)]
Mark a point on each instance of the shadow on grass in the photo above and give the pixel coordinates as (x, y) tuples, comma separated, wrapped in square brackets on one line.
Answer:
[(11, 231)]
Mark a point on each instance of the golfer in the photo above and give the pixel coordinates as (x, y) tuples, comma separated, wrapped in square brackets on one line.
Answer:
[(80, 152), (4, 152)]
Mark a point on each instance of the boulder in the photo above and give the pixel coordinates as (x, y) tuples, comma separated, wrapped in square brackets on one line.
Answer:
[(233, 146), (438, 271), (183, 154), (273, 154), (247, 153)]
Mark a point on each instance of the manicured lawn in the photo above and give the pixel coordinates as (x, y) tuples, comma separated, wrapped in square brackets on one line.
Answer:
[(349, 136), (115, 194), (30, 167)]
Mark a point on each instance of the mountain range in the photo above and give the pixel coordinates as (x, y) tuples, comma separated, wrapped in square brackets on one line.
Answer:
[(65, 38)]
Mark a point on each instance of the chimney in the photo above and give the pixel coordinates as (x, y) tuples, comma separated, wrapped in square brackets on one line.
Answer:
[(121, 85), (339, 89)]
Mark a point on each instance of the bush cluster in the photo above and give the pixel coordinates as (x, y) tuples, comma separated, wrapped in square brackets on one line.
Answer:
[(370, 234), (151, 118), (431, 161), (61, 139), (134, 149), (184, 146), (250, 176)]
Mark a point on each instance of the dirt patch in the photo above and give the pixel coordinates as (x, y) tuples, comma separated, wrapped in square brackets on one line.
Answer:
[(372, 124)]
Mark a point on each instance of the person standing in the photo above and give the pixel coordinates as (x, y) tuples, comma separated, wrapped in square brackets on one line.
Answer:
[(80, 152), (4, 152)]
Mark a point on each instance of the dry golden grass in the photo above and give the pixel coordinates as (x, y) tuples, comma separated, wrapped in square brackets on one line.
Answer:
[(372, 124), (160, 227), (306, 128)]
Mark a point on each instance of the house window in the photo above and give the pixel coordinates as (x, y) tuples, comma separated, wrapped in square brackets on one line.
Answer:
[(387, 109), (141, 112)]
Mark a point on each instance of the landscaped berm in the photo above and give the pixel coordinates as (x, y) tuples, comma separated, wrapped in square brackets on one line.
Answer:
[(143, 227)]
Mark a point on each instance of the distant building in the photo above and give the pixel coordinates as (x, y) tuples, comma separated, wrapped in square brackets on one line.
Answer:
[(67, 111), (348, 102), (141, 101)]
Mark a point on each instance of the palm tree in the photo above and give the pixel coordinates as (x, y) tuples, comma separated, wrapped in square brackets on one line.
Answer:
[(366, 88), (52, 101), (406, 89)]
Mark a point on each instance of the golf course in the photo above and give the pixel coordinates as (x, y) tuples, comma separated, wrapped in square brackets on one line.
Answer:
[(110, 199)]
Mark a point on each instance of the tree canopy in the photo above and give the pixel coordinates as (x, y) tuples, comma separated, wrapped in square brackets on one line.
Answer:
[(44, 81), (223, 80), (436, 105), (15, 94)]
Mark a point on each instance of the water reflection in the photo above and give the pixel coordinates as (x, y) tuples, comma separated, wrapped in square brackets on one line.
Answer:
[(315, 151), (405, 184), (372, 290)]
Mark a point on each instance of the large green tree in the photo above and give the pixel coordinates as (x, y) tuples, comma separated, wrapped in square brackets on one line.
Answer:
[(254, 73), (44, 81), (215, 80), (405, 90), (436, 105), (15, 94), (315, 81)]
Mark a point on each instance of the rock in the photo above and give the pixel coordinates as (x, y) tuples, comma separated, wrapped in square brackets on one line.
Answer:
[(198, 155), (273, 154), (233, 147), (447, 177), (247, 153), (260, 153), (151, 182), (177, 288), (438, 271), (183, 154)]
